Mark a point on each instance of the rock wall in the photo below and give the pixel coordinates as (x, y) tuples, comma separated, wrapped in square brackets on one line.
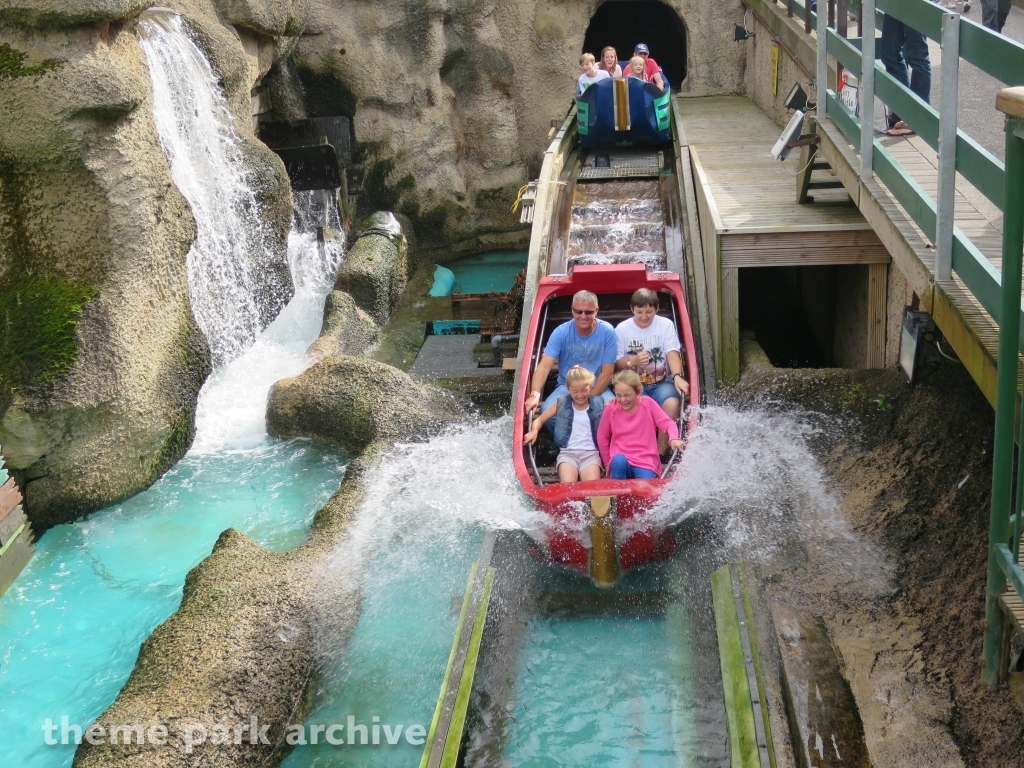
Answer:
[(102, 361), (453, 100)]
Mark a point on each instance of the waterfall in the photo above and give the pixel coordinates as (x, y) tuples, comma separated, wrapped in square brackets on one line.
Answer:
[(232, 406), (205, 158)]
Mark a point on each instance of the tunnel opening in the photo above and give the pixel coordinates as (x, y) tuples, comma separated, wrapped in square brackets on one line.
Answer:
[(807, 317), (624, 23)]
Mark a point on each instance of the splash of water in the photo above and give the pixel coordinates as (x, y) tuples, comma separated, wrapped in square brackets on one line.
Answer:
[(233, 403), (226, 262), (756, 473)]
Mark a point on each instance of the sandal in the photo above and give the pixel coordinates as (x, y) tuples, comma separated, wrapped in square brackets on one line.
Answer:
[(900, 129)]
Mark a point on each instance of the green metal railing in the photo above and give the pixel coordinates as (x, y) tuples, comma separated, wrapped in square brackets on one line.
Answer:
[(1003, 563), (1001, 182)]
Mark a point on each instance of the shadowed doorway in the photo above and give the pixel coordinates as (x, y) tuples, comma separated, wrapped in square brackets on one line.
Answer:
[(624, 23)]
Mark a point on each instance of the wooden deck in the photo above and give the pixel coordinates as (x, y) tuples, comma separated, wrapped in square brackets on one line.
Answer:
[(749, 217), (968, 328)]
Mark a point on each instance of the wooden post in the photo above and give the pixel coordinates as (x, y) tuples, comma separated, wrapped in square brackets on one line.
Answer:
[(806, 167), (878, 285), (604, 559), (730, 364)]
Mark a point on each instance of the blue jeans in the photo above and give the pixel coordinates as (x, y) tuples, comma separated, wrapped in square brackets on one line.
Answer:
[(560, 391), (901, 47), (994, 13), (662, 391), (620, 469)]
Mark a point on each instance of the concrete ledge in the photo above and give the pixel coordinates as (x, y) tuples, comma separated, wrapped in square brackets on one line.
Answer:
[(825, 725)]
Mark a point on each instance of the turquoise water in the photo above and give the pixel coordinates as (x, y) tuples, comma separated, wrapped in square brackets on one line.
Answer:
[(485, 272), (411, 547), (72, 624), (394, 663), (601, 691)]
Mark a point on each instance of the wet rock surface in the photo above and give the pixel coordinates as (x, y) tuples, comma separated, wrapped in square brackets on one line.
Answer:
[(353, 402), (375, 272), (245, 643), (902, 601), (347, 329), (100, 399)]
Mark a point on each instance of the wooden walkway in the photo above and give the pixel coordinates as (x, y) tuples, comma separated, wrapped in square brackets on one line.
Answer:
[(749, 217), (968, 328)]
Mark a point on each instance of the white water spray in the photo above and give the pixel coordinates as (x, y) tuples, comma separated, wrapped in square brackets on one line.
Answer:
[(757, 474), (233, 402), (205, 158)]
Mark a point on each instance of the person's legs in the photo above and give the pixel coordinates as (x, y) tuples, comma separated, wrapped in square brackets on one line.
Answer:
[(915, 52), (664, 394), (567, 472), (990, 14), (891, 54), (1004, 13), (607, 395), (639, 473), (618, 467), (591, 472)]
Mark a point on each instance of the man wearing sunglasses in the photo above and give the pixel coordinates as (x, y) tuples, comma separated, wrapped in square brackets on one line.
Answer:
[(587, 342)]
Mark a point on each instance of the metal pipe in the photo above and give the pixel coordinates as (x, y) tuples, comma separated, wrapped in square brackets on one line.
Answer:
[(867, 90), (497, 339), (950, 74), (821, 76), (531, 452), (1006, 386)]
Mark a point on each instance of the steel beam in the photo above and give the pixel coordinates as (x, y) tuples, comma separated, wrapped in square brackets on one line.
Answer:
[(950, 74), (867, 89)]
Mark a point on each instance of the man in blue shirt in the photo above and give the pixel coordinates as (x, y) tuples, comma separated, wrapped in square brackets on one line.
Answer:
[(587, 342)]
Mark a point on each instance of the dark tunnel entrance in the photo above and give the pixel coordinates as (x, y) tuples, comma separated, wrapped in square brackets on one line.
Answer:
[(624, 23)]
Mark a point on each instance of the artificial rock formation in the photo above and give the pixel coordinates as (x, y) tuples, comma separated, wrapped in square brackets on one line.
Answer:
[(451, 101), (347, 329), (102, 361), (354, 402), (245, 643), (375, 271)]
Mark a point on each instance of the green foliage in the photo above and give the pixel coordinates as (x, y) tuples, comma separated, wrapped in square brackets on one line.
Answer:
[(12, 64), (38, 318), (853, 397), (883, 402)]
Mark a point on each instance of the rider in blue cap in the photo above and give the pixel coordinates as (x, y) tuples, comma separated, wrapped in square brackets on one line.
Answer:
[(652, 72)]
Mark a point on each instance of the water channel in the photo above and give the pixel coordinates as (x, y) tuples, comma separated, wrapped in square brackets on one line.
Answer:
[(621, 678)]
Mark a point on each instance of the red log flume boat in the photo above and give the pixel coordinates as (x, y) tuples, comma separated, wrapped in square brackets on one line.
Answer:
[(600, 507)]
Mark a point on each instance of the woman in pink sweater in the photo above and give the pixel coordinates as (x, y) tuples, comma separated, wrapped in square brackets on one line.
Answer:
[(628, 434)]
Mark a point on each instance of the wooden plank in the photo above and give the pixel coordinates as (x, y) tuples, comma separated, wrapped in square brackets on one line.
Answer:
[(10, 496), (878, 283), (710, 246), (509, 364), (729, 364), (739, 714), (15, 558), (695, 251), (11, 523)]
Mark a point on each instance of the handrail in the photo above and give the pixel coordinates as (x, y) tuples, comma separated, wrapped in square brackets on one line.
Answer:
[(998, 291), (992, 53), (532, 453)]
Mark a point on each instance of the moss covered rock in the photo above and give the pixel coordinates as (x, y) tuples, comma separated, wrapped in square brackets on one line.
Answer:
[(101, 361), (347, 329), (354, 402), (375, 271)]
